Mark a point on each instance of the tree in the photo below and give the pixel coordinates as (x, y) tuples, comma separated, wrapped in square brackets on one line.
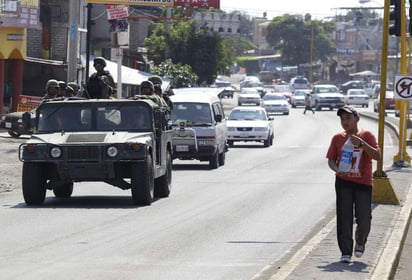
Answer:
[(182, 75), (189, 43), (293, 36)]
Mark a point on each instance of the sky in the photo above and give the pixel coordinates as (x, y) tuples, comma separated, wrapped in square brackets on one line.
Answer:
[(319, 9)]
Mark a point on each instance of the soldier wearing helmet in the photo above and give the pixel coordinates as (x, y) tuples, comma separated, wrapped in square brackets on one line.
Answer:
[(157, 82), (100, 83), (52, 88), (62, 89), (73, 89), (146, 88), (147, 92)]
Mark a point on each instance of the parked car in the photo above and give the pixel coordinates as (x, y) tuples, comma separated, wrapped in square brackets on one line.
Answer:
[(389, 102), (276, 103), (298, 97), (13, 123), (357, 97), (351, 85), (249, 96), (326, 96), (248, 123)]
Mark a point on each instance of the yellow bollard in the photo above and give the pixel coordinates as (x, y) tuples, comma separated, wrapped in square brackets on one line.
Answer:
[(383, 192)]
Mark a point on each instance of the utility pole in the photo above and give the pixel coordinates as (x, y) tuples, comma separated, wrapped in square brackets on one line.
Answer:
[(72, 41), (88, 39)]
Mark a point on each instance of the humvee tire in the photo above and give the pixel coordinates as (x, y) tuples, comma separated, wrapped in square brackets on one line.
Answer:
[(142, 181), (34, 184)]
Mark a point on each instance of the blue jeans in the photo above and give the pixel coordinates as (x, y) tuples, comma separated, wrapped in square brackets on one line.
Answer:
[(352, 198)]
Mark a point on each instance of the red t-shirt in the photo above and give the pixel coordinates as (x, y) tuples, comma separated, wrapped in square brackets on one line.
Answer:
[(361, 171)]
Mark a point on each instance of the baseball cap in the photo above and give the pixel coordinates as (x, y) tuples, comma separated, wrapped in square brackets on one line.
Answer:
[(347, 109)]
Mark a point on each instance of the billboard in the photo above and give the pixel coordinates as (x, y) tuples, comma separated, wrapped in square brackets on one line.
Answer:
[(158, 3), (199, 4), (20, 13)]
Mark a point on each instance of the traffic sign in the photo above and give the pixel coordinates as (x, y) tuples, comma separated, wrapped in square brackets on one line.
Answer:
[(403, 88)]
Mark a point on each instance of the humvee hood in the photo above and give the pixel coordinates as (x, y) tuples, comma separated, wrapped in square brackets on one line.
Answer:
[(59, 138)]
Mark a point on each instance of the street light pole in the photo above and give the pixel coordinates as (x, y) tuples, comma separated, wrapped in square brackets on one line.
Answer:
[(72, 41), (382, 188)]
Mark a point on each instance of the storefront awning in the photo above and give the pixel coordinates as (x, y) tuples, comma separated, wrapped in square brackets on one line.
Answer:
[(130, 76)]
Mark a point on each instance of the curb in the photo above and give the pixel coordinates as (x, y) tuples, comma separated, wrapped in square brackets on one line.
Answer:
[(389, 260)]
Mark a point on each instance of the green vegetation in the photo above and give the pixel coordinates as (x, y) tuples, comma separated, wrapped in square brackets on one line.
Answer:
[(293, 37)]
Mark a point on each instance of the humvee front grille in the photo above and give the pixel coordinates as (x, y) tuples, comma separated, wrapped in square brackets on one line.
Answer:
[(83, 153)]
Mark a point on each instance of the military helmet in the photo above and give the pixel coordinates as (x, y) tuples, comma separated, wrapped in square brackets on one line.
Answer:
[(148, 84), (73, 86), (99, 61), (62, 84), (156, 80), (52, 83)]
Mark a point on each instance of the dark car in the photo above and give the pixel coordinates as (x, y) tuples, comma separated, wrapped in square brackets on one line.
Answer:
[(351, 85), (13, 123)]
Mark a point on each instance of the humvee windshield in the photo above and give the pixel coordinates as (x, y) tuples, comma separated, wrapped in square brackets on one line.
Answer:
[(102, 117)]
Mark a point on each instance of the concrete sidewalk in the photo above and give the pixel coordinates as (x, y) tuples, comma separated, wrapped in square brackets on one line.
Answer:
[(320, 257)]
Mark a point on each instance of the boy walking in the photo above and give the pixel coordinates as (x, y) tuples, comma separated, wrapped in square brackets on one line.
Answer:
[(353, 188)]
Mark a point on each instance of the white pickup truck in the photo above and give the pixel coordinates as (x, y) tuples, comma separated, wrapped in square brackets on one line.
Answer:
[(326, 96)]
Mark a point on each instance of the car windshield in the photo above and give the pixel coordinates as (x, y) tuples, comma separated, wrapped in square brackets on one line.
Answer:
[(249, 90), (253, 84), (274, 97), (222, 84), (193, 114), (357, 92), (327, 89), (299, 93), (300, 81), (281, 88), (249, 115)]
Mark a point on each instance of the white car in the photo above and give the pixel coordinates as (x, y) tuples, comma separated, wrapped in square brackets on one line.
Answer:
[(249, 96), (249, 123), (276, 103), (298, 97), (357, 97)]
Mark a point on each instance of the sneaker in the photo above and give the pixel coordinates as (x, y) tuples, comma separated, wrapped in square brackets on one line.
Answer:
[(346, 259), (359, 249)]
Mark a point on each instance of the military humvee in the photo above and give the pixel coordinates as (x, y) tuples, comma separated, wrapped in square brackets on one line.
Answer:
[(125, 143)]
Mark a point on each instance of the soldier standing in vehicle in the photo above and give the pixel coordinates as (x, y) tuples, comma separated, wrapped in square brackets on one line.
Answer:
[(101, 83), (52, 88), (73, 89), (157, 83), (147, 92), (62, 89)]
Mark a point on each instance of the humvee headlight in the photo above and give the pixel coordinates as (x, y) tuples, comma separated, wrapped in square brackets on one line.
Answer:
[(55, 152), (112, 151)]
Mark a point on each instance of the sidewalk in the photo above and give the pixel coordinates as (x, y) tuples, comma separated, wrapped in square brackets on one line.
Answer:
[(320, 257)]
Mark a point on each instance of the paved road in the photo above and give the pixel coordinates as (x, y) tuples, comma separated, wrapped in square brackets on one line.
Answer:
[(319, 258)]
